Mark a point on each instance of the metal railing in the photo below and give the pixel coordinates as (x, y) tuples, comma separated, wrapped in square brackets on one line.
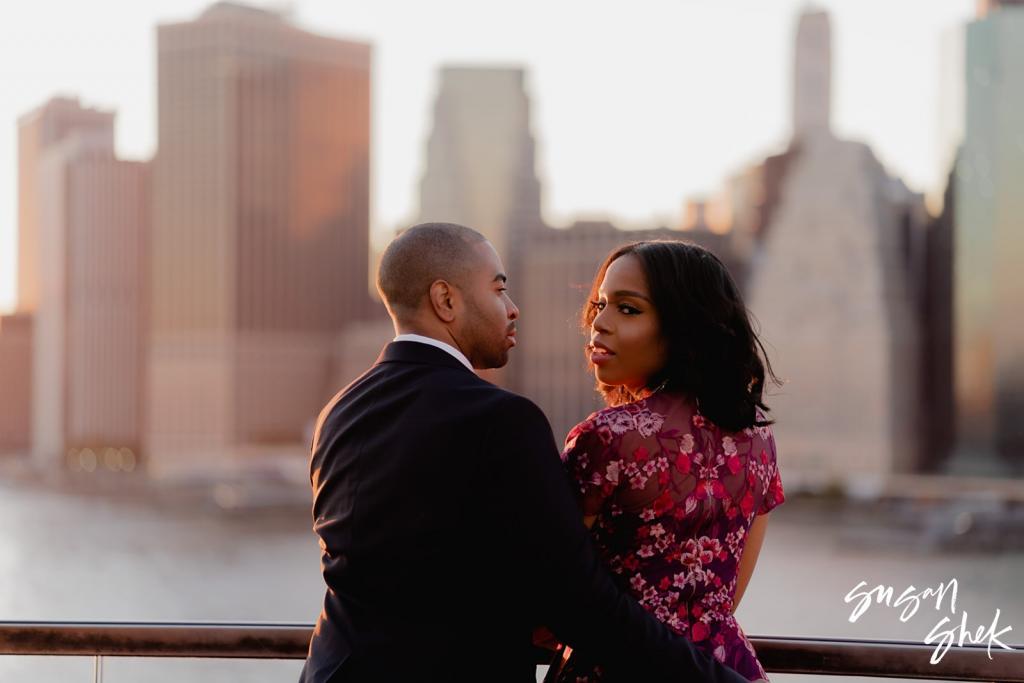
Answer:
[(832, 657)]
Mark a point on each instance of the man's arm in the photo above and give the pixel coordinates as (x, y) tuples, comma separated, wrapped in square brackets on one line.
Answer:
[(577, 599)]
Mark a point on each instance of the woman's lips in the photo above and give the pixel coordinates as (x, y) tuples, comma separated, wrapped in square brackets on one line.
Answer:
[(599, 354)]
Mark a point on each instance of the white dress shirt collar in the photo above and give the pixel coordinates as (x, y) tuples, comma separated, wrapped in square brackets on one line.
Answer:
[(439, 344)]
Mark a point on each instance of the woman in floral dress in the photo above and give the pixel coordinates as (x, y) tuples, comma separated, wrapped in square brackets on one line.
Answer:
[(676, 476)]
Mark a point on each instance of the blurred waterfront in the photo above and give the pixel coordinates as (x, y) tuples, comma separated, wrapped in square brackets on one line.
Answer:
[(72, 557)]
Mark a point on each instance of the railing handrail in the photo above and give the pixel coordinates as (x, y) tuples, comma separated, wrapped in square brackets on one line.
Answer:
[(250, 640), (263, 640)]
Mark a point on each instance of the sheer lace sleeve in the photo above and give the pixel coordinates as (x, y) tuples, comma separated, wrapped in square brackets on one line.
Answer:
[(592, 462), (772, 494)]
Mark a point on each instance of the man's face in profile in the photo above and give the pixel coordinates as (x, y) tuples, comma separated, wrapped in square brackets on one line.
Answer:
[(488, 331)]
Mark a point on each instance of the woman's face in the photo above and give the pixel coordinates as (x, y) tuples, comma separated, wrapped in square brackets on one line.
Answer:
[(626, 346)]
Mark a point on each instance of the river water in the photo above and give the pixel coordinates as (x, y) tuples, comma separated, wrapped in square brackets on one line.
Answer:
[(69, 557)]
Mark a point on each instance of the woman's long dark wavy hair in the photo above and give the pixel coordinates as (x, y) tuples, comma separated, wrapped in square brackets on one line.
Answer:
[(714, 354)]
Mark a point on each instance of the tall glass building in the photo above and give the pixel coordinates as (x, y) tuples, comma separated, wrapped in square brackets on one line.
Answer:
[(989, 244)]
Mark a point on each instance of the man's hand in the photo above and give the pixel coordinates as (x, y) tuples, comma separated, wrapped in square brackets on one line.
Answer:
[(546, 639)]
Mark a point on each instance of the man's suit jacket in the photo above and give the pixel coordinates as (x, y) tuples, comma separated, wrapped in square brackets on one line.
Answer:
[(449, 530)]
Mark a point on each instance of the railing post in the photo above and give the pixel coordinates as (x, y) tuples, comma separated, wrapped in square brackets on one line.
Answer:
[(97, 669)]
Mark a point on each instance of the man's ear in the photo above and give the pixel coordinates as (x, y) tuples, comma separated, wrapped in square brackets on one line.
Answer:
[(445, 299)]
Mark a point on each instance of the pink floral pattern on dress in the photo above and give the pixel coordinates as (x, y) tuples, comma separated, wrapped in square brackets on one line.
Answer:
[(674, 497)]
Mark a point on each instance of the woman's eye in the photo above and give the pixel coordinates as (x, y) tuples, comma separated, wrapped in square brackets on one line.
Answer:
[(628, 310), (599, 305)]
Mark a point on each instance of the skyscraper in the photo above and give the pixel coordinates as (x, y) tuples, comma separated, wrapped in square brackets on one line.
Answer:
[(832, 289), (480, 165), (812, 78), (937, 336), (90, 217), (38, 130), (989, 244), (986, 6), (480, 156), (15, 382), (260, 230)]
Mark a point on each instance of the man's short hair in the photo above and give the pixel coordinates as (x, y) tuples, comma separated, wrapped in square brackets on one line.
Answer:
[(419, 257)]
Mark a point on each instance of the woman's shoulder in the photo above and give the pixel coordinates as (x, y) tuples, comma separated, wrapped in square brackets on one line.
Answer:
[(638, 416), (662, 413), (762, 429), (759, 430)]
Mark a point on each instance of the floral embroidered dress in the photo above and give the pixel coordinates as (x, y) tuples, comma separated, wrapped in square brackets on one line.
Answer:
[(674, 497)]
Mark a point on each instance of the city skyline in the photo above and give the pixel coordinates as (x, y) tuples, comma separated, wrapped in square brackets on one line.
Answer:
[(577, 100)]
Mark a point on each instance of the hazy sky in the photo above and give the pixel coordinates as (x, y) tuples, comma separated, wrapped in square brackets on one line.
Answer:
[(634, 110)]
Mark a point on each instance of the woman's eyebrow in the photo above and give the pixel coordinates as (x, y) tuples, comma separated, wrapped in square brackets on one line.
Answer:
[(630, 293)]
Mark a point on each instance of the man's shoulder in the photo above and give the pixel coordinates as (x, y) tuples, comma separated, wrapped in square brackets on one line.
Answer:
[(516, 404), (483, 400), (488, 397), (443, 385)]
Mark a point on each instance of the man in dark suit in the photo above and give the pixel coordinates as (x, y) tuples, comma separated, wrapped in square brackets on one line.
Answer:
[(448, 528)]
